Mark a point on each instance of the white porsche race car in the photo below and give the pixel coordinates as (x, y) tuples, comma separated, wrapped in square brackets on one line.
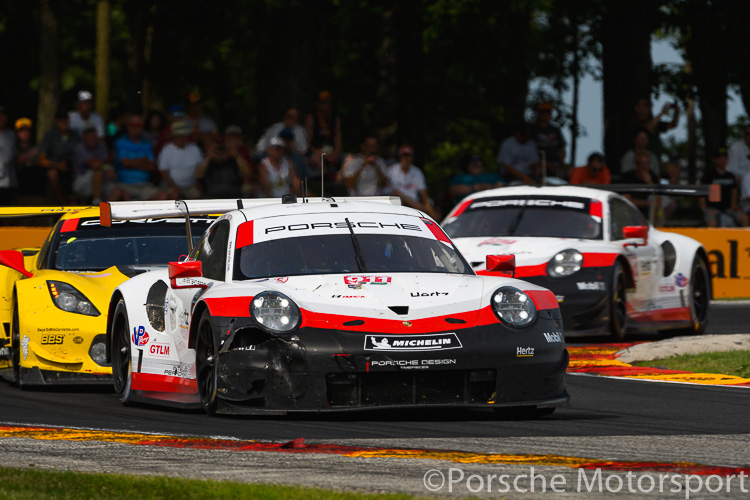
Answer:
[(330, 305), (610, 270)]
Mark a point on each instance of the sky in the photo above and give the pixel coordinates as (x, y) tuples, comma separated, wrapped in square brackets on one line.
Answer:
[(590, 113)]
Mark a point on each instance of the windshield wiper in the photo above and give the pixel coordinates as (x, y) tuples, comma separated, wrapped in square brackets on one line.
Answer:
[(516, 223), (357, 250)]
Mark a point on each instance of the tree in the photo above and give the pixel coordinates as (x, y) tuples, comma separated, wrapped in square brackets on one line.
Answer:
[(625, 34)]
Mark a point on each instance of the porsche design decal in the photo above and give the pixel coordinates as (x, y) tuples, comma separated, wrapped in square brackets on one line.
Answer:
[(437, 342), (411, 364)]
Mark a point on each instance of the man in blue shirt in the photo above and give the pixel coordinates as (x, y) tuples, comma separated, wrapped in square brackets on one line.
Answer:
[(134, 163)]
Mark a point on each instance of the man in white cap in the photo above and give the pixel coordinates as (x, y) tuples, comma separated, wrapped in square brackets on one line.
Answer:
[(178, 162), (408, 182), (84, 117)]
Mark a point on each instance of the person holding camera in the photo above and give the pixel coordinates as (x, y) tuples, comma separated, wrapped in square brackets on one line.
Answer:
[(366, 174), (643, 118), (225, 173)]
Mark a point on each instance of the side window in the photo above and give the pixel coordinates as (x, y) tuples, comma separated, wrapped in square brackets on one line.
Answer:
[(622, 214), (211, 250)]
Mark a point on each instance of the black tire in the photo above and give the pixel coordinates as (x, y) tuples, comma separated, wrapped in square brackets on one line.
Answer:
[(618, 306), (523, 412), (699, 297), (122, 361), (15, 348), (206, 364)]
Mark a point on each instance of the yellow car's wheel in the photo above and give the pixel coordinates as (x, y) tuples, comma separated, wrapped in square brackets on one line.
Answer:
[(122, 362), (15, 346)]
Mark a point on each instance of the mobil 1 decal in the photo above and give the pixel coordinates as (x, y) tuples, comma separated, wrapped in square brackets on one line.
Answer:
[(273, 228)]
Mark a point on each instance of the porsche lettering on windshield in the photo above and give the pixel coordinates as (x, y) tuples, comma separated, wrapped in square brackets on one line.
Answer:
[(522, 202), (342, 225), (521, 216)]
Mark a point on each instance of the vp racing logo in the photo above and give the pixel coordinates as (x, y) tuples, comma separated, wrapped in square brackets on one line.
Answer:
[(433, 342), (140, 337)]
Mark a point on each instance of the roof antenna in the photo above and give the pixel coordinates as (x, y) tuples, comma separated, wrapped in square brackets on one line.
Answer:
[(304, 192), (322, 174)]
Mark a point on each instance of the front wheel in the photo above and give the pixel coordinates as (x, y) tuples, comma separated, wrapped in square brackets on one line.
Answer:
[(122, 361), (618, 305), (207, 364)]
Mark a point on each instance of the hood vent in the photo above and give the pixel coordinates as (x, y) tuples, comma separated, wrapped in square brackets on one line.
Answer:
[(400, 310)]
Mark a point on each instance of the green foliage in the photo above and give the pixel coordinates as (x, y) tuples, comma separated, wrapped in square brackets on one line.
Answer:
[(735, 363), (63, 485), (449, 76)]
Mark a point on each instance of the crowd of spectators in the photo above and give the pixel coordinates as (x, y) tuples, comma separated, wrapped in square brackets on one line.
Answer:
[(181, 153)]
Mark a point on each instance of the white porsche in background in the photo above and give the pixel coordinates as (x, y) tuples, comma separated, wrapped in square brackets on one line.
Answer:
[(329, 305), (610, 270)]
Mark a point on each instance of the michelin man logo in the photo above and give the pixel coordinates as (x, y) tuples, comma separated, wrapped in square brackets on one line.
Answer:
[(25, 346), (383, 344)]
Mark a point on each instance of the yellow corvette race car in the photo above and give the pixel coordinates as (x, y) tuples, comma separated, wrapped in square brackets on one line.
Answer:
[(54, 299)]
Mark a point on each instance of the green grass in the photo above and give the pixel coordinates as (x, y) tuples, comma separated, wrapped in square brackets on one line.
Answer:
[(37, 484), (724, 362)]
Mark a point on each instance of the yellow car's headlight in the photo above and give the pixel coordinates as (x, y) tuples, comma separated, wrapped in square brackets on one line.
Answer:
[(69, 299)]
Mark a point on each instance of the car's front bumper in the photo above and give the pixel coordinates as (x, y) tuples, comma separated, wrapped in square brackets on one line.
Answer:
[(584, 299), (317, 369)]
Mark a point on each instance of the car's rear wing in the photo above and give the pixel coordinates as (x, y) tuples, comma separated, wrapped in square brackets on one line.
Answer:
[(711, 191), (131, 210), (18, 212)]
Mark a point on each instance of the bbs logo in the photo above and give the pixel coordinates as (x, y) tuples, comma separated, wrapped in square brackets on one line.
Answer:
[(49, 339)]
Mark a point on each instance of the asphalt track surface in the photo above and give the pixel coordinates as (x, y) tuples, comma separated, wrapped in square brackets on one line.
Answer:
[(609, 420)]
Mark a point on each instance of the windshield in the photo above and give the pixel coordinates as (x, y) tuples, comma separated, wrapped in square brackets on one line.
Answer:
[(336, 253), (552, 217), (84, 245)]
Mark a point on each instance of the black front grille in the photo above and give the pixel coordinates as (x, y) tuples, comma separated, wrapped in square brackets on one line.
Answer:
[(411, 387)]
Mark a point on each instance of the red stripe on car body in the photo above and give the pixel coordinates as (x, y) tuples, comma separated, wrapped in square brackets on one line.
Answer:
[(162, 383), (436, 231), (230, 306), (660, 315), (244, 234), (69, 225), (462, 208)]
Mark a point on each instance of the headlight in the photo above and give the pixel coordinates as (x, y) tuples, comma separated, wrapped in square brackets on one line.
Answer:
[(68, 298), (565, 263), (275, 312), (513, 307)]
